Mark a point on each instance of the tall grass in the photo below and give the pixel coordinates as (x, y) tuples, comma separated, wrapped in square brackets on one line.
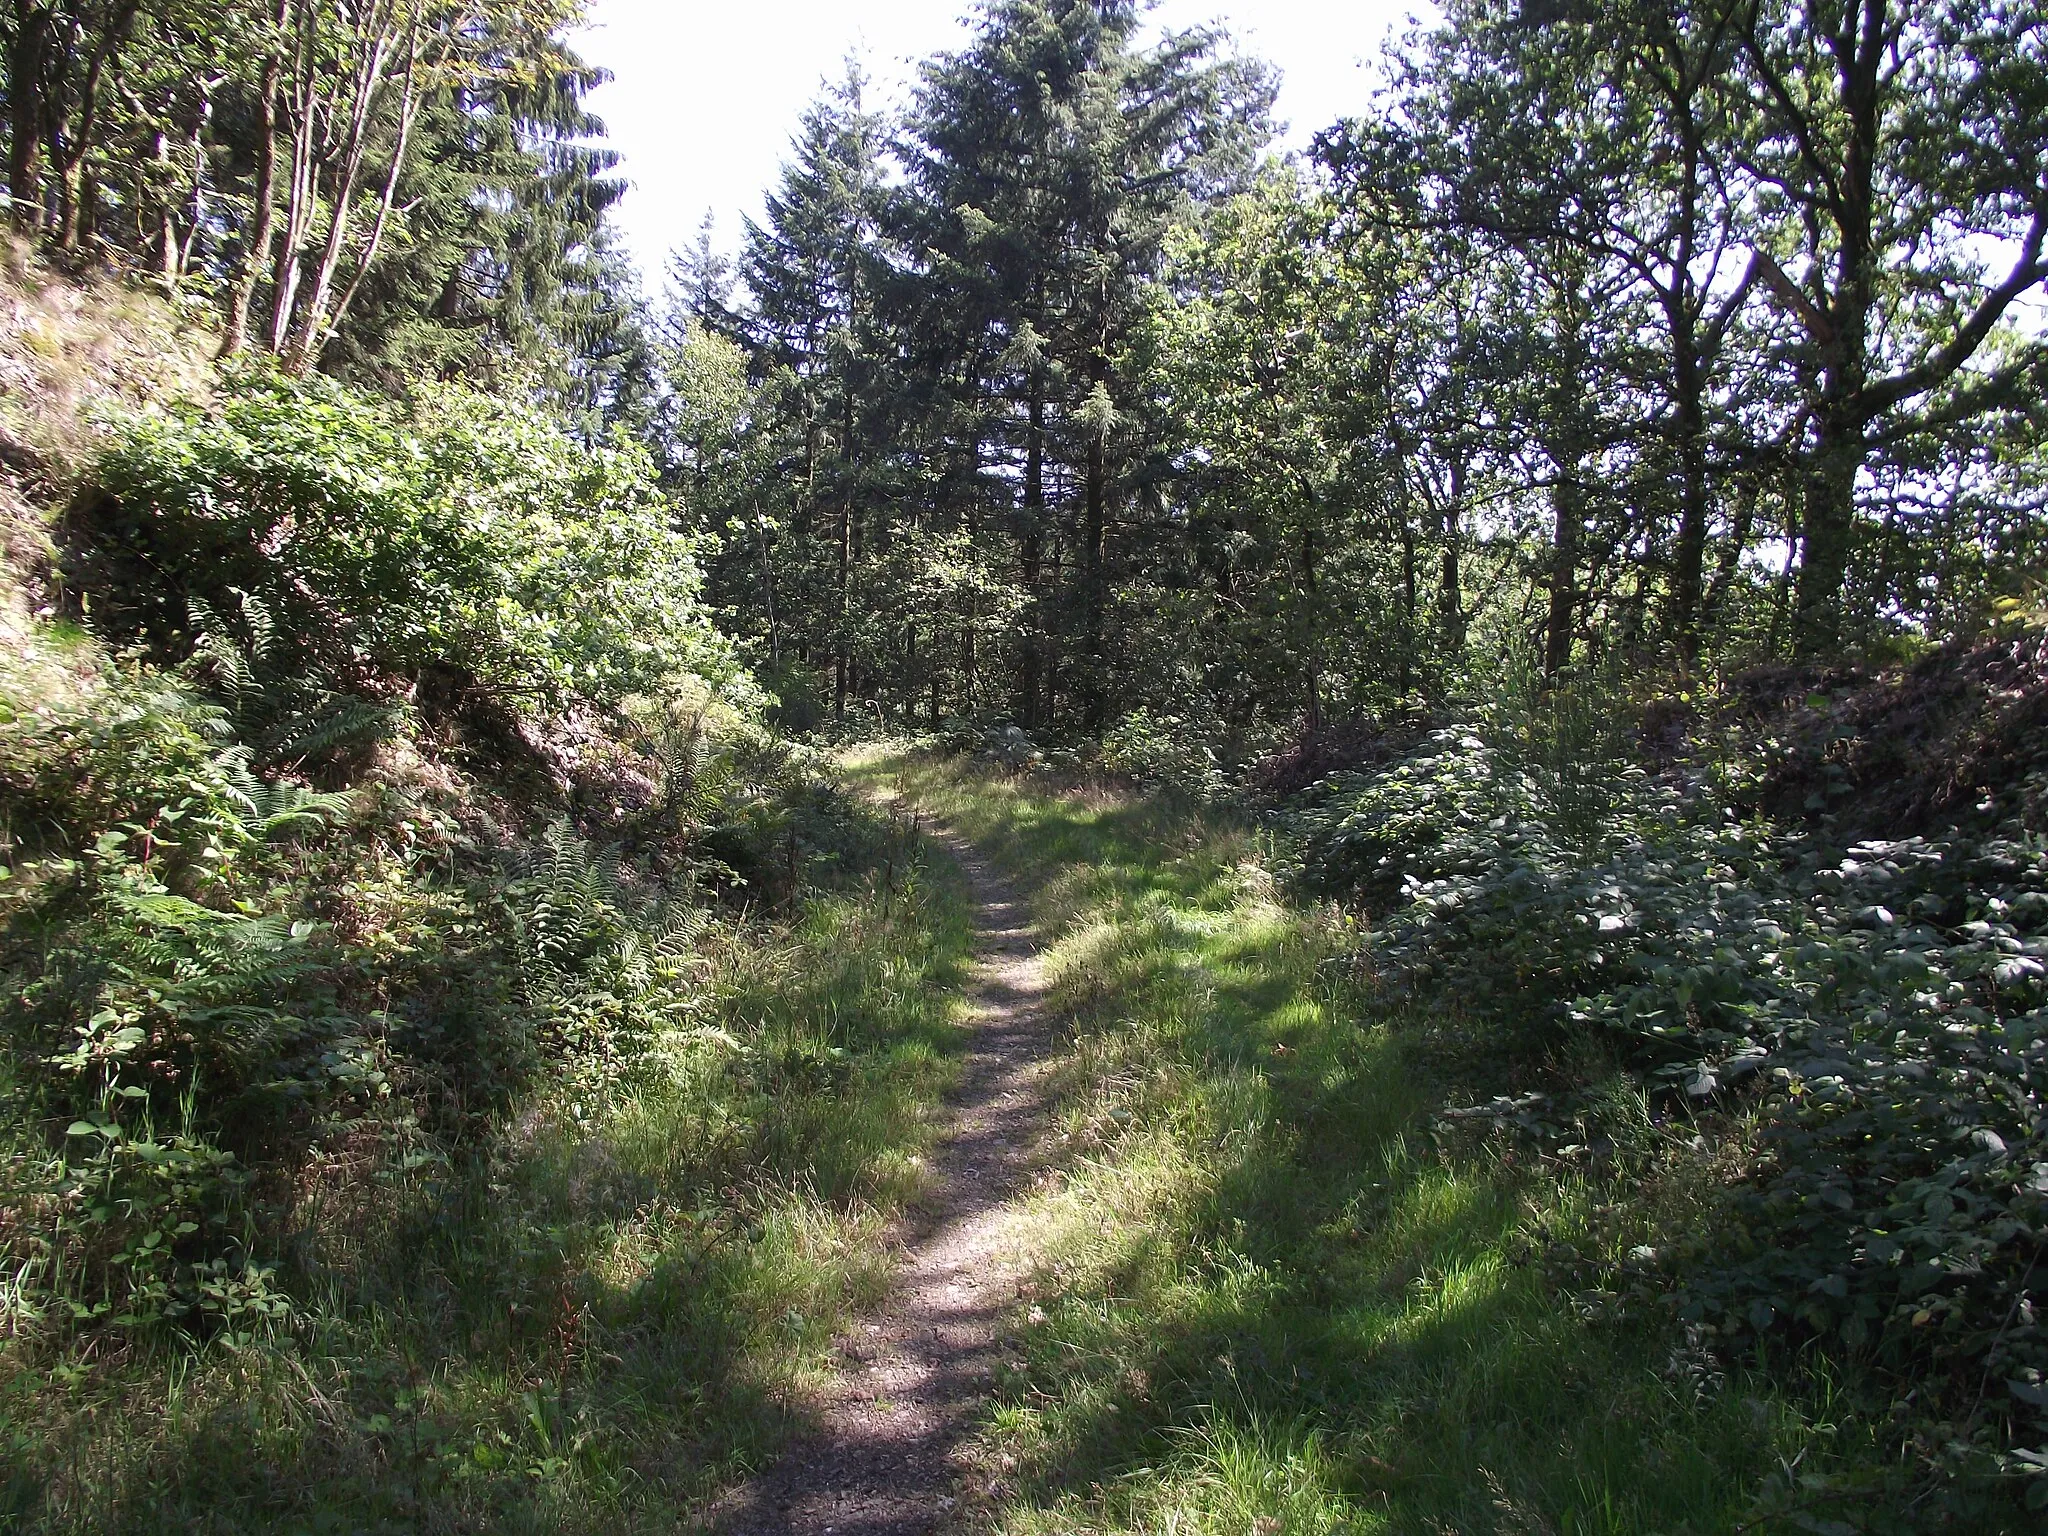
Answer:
[(613, 1311), (1272, 1294)]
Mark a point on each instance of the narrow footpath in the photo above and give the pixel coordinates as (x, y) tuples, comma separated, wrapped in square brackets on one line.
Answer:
[(885, 1459)]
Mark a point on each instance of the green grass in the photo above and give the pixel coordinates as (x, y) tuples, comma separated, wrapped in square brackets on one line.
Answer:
[(1269, 1298), (613, 1311)]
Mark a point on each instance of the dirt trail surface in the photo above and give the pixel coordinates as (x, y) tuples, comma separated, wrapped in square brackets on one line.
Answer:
[(885, 1458)]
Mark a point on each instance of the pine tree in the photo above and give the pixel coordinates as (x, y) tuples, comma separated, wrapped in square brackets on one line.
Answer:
[(811, 271)]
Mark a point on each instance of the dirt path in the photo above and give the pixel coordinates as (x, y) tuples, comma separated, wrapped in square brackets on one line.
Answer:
[(884, 1460)]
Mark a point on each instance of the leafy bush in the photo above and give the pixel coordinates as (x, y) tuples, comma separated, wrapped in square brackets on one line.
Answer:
[(155, 979), (384, 538), (1165, 752), (1876, 1012)]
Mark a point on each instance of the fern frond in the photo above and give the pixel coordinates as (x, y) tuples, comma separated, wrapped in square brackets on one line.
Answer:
[(336, 721)]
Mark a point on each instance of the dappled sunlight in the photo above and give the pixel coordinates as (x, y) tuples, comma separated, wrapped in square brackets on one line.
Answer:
[(1264, 1296), (634, 1292)]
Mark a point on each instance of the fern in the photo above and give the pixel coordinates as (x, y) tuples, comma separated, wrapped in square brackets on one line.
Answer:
[(290, 718), (276, 807), (216, 654), (604, 969), (335, 722)]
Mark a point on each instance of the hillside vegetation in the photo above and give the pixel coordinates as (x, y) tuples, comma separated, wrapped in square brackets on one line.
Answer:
[(458, 1060), (1644, 1172)]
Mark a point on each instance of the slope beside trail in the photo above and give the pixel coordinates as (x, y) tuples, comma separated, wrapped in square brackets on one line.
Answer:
[(884, 1459)]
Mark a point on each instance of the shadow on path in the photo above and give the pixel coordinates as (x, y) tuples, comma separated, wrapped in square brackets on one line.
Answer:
[(882, 1459)]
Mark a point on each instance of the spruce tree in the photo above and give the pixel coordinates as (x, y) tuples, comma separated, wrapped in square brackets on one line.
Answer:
[(1050, 158)]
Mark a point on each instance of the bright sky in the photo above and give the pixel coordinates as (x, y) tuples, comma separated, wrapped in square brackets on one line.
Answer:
[(707, 95)]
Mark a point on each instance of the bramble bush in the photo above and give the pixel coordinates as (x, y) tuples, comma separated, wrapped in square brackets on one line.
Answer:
[(1872, 1017), (1167, 753)]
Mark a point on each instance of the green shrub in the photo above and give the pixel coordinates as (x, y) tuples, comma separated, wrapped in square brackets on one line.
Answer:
[(1166, 752), (384, 538), (1876, 1012), (157, 975)]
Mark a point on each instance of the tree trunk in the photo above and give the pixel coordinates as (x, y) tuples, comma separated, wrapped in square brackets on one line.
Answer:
[(768, 592), (257, 256), (73, 159), (1828, 515), (1688, 562), (1031, 560), (1567, 505), (26, 62), (1405, 679), (1451, 596), (1096, 683), (842, 658), (1310, 651)]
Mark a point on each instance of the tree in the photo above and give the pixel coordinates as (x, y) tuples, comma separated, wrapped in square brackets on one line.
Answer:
[(811, 271), (1902, 189), (1050, 159)]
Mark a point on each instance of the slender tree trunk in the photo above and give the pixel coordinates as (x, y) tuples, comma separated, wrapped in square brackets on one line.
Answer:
[(842, 659), (27, 60), (768, 591), (1567, 507), (257, 255), (1405, 681), (1451, 597), (1729, 565), (300, 206), (1096, 682), (170, 247), (1031, 559), (310, 330), (968, 681), (1311, 650), (73, 156), (386, 201)]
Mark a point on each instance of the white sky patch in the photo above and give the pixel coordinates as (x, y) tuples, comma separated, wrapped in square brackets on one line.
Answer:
[(706, 97)]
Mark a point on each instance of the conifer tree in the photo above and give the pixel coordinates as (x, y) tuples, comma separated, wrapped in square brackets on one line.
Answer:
[(1050, 158), (811, 270)]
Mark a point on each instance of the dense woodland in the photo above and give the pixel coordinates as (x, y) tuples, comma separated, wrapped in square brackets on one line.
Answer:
[(1580, 527)]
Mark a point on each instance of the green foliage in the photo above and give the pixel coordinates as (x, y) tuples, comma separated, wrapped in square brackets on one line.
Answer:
[(386, 539), (155, 978), (584, 1307), (1873, 1017), (1167, 753), (613, 976)]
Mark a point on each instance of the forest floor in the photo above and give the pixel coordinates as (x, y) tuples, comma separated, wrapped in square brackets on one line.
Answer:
[(884, 1456)]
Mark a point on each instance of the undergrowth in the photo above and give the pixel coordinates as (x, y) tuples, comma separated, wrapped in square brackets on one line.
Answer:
[(596, 1306), (457, 1064)]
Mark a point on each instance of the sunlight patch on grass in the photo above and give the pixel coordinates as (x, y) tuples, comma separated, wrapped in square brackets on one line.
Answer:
[(618, 1306)]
